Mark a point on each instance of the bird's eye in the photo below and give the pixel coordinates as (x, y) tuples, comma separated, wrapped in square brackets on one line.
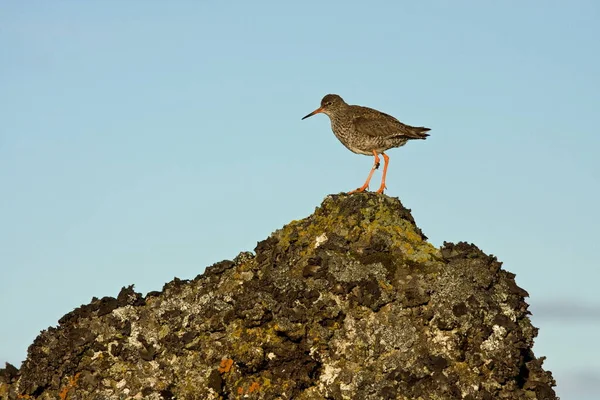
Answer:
[(328, 103)]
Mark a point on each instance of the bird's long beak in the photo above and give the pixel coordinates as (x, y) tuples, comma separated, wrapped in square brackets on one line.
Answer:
[(318, 110)]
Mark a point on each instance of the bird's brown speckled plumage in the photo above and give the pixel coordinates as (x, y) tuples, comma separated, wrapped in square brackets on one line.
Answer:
[(367, 131)]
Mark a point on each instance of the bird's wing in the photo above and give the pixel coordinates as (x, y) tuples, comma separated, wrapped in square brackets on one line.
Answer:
[(377, 124)]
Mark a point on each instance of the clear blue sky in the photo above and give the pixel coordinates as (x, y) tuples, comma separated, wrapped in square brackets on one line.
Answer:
[(140, 141)]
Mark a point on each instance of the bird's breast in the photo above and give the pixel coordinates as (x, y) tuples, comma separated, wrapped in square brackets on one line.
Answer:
[(349, 138)]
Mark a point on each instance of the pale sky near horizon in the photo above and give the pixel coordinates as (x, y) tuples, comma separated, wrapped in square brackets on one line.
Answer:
[(140, 141)]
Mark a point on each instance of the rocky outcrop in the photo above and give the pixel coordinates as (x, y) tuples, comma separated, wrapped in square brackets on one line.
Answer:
[(349, 303)]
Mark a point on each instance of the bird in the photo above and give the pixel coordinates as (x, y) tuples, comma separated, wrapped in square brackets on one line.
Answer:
[(367, 131)]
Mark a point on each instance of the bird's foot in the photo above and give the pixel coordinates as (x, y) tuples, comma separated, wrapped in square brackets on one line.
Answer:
[(360, 189), (381, 189)]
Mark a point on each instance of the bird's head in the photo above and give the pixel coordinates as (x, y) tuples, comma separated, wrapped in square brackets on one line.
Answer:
[(329, 105)]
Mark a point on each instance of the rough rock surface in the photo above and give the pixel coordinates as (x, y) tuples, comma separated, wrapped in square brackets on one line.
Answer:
[(349, 303)]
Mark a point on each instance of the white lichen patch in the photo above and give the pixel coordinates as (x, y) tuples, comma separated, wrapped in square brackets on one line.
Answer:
[(204, 299), (495, 340), (445, 339), (356, 271), (246, 275), (350, 328), (322, 238), (508, 311), (125, 313), (110, 346), (345, 338), (347, 390), (154, 364), (330, 373), (391, 337), (128, 313)]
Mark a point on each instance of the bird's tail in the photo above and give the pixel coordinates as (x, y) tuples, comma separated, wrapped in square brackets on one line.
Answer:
[(419, 132)]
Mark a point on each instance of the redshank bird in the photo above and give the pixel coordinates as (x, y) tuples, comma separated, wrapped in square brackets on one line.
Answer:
[(367, 131)]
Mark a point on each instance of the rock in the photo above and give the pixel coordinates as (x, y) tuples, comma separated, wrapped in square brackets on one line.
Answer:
[(349, 303)]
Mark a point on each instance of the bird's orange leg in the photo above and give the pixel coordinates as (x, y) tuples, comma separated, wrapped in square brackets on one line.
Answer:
[(386, 160), (366, 185)]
